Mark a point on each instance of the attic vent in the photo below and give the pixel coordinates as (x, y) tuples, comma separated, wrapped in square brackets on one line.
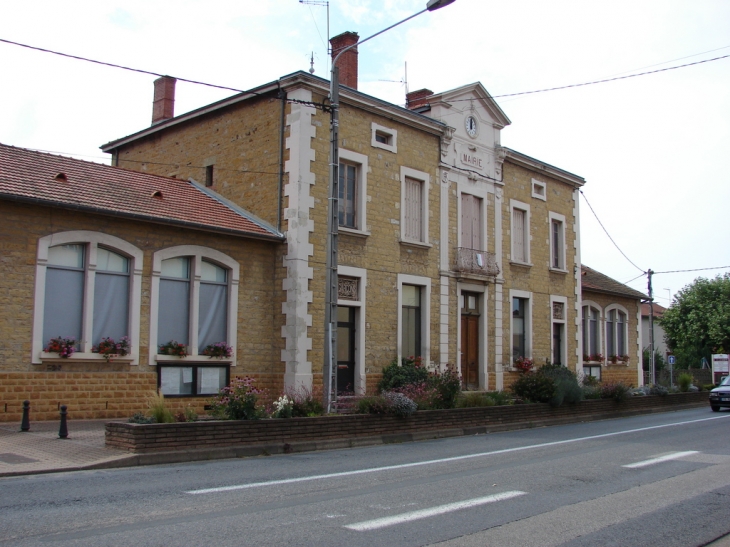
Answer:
[(157, 194), (61, 177)]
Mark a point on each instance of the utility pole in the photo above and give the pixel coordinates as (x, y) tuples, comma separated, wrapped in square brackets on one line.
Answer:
[(649, 273)]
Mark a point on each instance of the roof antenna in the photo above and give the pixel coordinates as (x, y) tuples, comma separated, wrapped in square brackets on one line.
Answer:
[(311, 64)]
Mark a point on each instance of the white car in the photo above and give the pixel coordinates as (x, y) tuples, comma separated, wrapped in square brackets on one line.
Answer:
[(720, 396)]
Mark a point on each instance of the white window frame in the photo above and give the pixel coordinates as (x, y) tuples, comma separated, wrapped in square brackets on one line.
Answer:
[(425, 284), (622, 309), (514, 204), (361, 162), (564, 321), (425, 179), (539, 190), (91, 240), (528, 323), (591, 305), (553, 218), (391, 134), (196, 253), (361, 275)]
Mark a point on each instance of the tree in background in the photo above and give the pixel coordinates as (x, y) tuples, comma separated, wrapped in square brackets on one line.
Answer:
[(697, 324), (659, 361)]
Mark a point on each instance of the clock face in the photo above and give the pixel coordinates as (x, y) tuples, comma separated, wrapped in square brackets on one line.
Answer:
[(470, 123)]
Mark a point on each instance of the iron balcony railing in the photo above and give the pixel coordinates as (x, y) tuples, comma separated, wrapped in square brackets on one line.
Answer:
[(474, 261)]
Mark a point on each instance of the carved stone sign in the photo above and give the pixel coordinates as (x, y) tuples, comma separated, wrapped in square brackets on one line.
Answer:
[(558, 311), (347, 288)]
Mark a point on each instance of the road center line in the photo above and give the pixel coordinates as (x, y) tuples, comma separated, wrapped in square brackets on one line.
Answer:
[(431, 512), (660, 459), (442, 460)]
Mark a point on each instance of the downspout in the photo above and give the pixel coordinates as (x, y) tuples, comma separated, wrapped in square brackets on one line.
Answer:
[(282, 121)]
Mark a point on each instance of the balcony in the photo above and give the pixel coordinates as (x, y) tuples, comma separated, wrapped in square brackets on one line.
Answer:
[(475, 262)]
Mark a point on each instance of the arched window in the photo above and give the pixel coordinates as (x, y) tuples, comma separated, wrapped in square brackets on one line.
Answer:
[(591, 333), (194, 300), (88, 287), (616, 332)]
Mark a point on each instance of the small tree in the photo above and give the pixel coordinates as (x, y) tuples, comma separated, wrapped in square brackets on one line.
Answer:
[(697, 324)]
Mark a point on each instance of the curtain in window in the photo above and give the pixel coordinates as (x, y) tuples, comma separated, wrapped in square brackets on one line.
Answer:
[(557, 244), (64, 304), (174, 314), (621, 334), (411, 321), (413, 228), (610, 333), (111, 306), (347, 195), (519, 338), (212, 320)]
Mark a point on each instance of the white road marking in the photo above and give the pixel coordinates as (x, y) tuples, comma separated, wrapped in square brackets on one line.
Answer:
[(442, 460), (431, 512), (660, 459)]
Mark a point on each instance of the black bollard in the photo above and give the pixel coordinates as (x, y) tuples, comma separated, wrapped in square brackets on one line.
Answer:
[(25, 423), (63, 431)]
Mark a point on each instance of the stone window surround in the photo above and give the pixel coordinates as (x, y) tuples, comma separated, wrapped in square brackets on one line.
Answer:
[(539, 190), (564, 321), (392, 135), (197, 253), (425, 178), (361, 162), (527, 295), (360, 321), (92, 240), (514, 204), (556, 217), (425, 284)]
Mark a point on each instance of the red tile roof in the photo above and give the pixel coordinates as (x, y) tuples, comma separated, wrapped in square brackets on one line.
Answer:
[(36, 177), (658, 310), (592, 280)]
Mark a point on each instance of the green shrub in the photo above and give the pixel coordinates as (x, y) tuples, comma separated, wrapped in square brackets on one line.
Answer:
[(618, 391), (376, 404), (410, 371), (448, 385), (501, 398), (534, 387), (141, 418), (399, 404), (708, 387), (305, 404), (567, 388), (426, 397), (237, 401), (475, 400), (592, 392), (158, 409), (658, 389), (684, 380)]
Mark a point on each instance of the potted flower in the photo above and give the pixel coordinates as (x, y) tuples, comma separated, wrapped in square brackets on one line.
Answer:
[(173, 348), (523, 364), (65, 347), (219, 350), (109, 348)]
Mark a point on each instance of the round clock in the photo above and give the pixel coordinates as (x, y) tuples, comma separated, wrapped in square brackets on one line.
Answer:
[(470, 123)]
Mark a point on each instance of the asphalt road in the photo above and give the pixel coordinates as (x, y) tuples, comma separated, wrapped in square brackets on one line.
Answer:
[(657, 480)]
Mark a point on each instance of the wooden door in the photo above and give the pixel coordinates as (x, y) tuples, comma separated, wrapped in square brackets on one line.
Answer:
[(470, 351)]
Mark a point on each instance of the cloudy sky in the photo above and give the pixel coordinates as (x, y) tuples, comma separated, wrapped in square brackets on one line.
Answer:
[(651, 148)]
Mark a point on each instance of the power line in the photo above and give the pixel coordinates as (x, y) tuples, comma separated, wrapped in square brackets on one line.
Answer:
[(140, 71), (609, 235), (696, 270)]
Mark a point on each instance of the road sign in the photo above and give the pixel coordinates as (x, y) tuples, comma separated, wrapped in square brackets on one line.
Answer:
[(671, 360)]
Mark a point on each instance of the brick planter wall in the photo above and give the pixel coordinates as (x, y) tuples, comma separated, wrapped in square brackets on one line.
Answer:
[(279, 435)]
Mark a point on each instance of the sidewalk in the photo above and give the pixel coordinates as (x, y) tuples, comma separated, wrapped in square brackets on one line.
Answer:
[(41, 451)]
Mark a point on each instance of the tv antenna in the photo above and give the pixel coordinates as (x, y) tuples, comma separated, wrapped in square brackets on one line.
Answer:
[(327, 5)]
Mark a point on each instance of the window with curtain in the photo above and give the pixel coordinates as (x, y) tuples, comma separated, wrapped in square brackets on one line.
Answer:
[(213, 306), (519, 235), (611, 333), (471, 222), (591, 343), (67, 274), (519, 328), (413, 214), (174, 314), (411, 321), (348, 187)]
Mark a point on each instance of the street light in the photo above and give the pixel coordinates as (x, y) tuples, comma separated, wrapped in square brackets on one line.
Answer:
[(330, 312)]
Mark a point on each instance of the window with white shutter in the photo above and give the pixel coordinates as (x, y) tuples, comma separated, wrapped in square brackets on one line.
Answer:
[(413, 214), (471, 222)]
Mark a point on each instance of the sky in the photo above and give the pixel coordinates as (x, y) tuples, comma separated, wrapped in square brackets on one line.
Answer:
[(651, 148)]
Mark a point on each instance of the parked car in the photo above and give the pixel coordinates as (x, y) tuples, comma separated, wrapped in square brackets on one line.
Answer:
[(720, 396)]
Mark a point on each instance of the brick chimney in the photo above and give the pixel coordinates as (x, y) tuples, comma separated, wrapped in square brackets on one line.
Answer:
[(163, 106), (416, 99), (348, 62)]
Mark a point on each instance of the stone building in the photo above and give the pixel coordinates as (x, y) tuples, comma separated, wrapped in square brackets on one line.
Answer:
[(92, 252), (611, 329)]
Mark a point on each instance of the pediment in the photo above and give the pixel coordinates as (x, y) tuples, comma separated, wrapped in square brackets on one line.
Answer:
[(474, 98)]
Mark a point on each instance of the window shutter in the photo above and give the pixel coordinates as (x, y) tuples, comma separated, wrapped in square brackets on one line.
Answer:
[(412, 215), (471, 222), (518, 235)]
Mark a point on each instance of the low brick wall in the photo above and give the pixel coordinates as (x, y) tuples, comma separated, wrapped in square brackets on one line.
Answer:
[(281, 434)]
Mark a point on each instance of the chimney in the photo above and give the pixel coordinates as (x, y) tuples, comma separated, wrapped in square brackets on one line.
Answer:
[(163, 106), (348, 62), (416, 99)]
